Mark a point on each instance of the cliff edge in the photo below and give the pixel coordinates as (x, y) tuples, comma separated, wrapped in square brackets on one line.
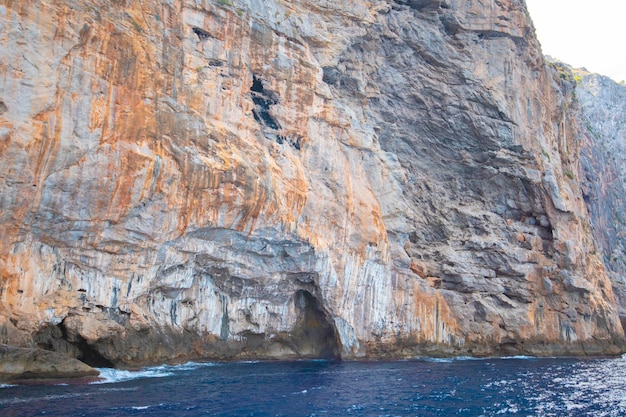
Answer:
[(602, 104)]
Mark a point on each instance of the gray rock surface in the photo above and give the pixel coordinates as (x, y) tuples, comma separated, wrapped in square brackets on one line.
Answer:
[(603, 159)]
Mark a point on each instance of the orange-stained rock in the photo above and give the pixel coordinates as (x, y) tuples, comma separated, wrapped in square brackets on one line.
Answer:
[(195, 178)]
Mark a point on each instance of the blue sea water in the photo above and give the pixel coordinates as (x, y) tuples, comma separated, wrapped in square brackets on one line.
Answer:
[(428, 387)]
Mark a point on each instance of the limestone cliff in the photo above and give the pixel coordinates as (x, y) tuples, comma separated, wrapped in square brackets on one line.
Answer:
[(246, 178), (602, 104)]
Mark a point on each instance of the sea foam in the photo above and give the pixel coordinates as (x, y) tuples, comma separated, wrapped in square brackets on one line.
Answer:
[(111, 375)]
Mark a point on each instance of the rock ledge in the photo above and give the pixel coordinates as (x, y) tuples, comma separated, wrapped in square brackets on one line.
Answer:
[(19, 364)]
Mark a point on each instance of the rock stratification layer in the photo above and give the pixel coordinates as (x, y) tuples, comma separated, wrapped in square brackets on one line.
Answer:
[(231, 179)]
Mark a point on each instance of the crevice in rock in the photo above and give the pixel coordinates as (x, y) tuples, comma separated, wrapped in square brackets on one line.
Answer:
[(423, 4), (294, 142), (3, 108)]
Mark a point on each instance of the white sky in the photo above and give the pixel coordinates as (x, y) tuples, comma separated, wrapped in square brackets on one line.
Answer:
[(583, 33)]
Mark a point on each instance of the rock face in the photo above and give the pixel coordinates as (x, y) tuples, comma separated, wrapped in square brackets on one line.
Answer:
[(232, 179), (603, 158), (21, 364)]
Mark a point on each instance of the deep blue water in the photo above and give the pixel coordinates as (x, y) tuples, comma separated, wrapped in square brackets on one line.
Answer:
[(487, 387)]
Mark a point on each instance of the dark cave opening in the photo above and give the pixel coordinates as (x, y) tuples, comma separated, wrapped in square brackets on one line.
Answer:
[(314, 334), (58, 339), (203, 35), (88, 353), (257, 85), (92, 357), (262, 100)]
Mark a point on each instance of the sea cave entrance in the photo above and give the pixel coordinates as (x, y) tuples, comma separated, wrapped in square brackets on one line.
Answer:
[(314, 335)]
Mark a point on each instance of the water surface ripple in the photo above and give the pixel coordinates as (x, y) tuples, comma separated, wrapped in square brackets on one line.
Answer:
[(428, 387)]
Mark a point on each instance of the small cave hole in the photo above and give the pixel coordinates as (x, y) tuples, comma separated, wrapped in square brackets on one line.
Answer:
[(330, 75), (257, 85), (262, 101), (203, 35)]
